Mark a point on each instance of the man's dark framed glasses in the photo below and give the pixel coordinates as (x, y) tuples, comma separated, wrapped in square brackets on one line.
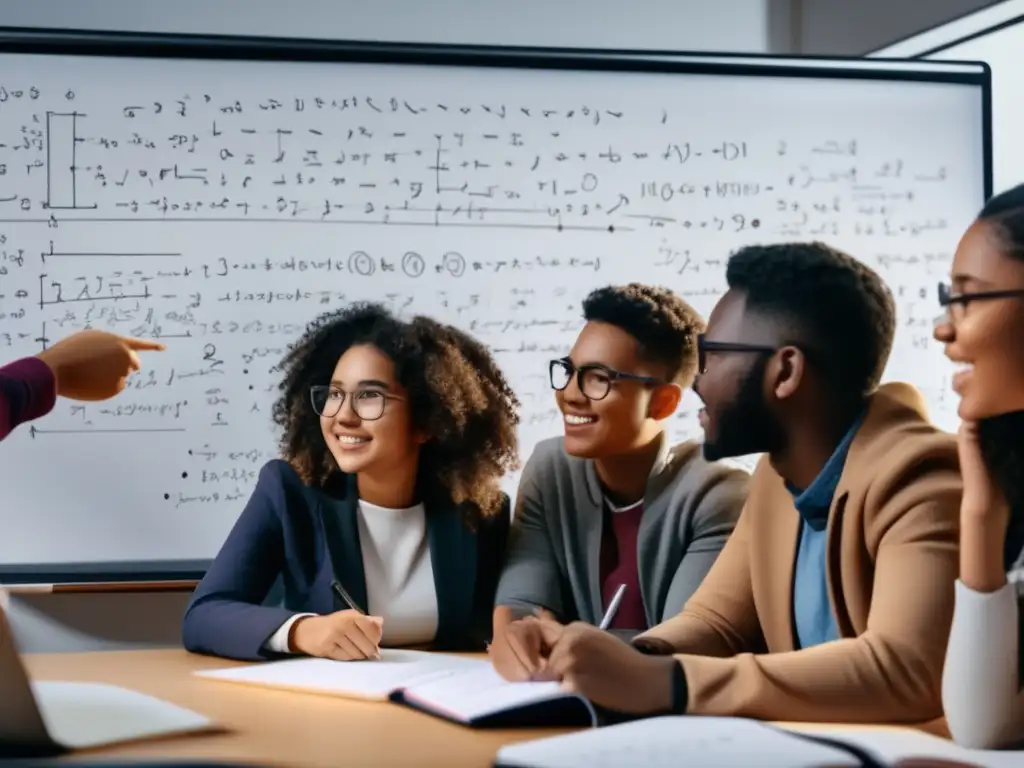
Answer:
[(594, 381), (704, 346)]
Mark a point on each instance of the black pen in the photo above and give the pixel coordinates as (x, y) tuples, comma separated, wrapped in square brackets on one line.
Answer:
[(336, 585)]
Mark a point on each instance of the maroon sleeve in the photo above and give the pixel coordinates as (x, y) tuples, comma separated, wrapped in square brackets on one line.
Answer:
[(27, 391)]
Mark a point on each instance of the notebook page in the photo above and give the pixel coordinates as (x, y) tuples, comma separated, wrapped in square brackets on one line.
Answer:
[(474, 693), (894, 744), (360, 679), (671, 742), (81, 715)]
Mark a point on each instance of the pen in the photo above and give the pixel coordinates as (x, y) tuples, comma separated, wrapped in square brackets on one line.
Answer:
[(336, 585), (613, 607)]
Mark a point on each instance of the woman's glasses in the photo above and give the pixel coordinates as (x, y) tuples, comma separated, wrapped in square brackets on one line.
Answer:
[(955, 304), (367, 404)]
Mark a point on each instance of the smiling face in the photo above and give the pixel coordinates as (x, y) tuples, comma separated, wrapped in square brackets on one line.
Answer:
[(736, 417), (983, 336), (625, 420), (363, 381)]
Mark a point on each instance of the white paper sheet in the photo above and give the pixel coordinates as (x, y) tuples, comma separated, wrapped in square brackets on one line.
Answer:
[(894, 744), (81, 715), (670, 742), (360, 679)]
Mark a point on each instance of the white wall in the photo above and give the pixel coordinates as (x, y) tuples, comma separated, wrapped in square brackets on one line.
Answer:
[(722, 25), (1003, 50), (82, 621)]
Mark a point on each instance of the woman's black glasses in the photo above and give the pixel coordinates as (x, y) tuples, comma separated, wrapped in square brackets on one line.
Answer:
[(955, 304)]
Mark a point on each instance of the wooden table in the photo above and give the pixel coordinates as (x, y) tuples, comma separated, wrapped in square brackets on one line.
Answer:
[(271, 727)]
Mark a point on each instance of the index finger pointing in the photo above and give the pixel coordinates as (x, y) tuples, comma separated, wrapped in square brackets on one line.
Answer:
[(146, 345)]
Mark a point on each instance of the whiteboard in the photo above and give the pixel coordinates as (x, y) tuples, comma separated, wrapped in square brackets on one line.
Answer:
[(220, 203)]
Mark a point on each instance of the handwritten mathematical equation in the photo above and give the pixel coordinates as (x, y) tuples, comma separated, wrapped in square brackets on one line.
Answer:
[(410, 264), (209, 158), (303, 204)]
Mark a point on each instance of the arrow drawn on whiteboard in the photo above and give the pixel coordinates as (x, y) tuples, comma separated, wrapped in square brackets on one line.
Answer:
[(33, 431)]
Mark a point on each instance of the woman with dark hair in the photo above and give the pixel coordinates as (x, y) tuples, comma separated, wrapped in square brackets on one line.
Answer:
[(983, 333), (384, 520)]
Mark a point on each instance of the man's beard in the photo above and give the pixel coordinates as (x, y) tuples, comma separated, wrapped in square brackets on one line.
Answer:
[(746, 425), (1002, 446)]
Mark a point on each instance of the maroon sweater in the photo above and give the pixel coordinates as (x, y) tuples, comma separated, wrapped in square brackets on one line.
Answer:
[(619, 565), (27, 391)]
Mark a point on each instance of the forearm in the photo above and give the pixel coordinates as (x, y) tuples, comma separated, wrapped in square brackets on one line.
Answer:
[(861, 680), (981, 678), (232, 628), (691, 633), (503, 616), (982, 541), (28, 391), (528, 584), (506, 614)]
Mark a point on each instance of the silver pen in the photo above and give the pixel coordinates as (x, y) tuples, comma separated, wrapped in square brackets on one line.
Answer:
[(613, 607)]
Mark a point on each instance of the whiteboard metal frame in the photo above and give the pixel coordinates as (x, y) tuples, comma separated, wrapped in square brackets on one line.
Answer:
[(182, 574)]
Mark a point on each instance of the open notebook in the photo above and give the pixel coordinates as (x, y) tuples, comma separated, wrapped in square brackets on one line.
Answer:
[(727, 742), (49, 718), (466, 691)]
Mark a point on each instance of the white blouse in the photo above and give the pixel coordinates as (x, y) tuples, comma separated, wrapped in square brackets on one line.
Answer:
[(399, 577), (399, 574), (981, 691)]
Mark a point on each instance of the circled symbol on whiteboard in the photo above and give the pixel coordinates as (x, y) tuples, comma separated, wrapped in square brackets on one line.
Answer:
[(454, 264), (412, 264), (361, 263)]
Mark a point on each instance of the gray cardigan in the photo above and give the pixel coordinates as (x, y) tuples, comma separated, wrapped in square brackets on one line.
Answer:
[(690, 509)]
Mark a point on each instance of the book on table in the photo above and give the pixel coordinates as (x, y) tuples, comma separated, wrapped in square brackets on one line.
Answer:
[(456, 688)]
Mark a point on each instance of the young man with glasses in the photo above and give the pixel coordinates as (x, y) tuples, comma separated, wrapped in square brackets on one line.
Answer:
[(833, 598), (613, 504)]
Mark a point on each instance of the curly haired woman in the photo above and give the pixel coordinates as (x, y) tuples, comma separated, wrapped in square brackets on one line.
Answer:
[(395, 436)]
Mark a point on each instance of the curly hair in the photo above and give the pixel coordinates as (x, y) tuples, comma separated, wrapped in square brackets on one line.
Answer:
[(665, 326), (457, 393), (837, 307)]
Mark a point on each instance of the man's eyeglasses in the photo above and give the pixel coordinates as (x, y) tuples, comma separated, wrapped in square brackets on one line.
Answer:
[(594, 381), (367, 404), (704, 346), (955, 304)]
